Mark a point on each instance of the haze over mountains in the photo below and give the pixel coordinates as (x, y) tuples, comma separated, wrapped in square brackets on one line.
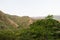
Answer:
[(57, 17), (8, 21)]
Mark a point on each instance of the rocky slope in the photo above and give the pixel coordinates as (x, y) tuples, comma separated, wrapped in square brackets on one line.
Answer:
[(14, 21), (6, 21)]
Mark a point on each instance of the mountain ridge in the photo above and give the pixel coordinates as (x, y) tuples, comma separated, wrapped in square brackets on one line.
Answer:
[(17, 21)]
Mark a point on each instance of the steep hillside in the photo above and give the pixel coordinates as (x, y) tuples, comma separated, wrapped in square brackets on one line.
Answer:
[(5, 21), (14, 21), (24, 21)]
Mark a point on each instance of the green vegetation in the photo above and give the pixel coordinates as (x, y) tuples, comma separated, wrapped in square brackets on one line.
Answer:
[(43, 29)]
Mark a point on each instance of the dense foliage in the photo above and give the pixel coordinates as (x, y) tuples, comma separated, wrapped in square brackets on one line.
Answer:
[(44, 29)]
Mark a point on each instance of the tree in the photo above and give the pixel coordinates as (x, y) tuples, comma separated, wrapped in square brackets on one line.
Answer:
[(43, 29), (49, 17)]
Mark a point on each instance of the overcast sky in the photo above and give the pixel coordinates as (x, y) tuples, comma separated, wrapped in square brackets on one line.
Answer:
[(30, 7)]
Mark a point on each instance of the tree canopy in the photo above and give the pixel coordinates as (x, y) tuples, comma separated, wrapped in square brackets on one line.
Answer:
[(44, 29)]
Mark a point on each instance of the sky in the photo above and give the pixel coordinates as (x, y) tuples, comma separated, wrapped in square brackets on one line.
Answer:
[(32, 8)]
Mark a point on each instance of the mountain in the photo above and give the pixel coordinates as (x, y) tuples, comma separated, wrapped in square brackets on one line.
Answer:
[(14, 21), (5, 21), (23, 21)]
